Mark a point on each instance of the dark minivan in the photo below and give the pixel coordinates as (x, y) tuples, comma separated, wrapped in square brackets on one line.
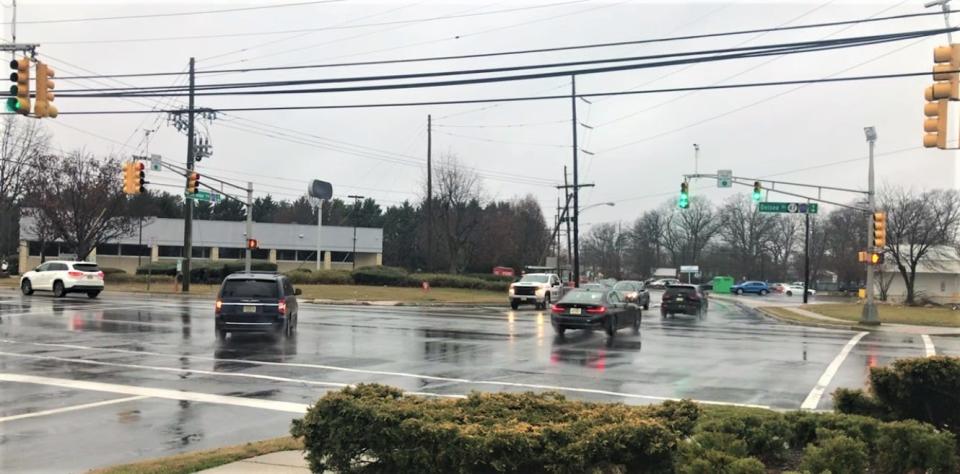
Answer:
[(256, 302), (684, 299)]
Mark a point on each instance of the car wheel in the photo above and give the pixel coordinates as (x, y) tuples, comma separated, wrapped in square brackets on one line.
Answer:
[(636, 325), (611, 326), (559, 330), (663, 313), (221, 334), (646, 305), (739, 291), (789, 293), (514, 304), (764, 292), (58, 290), (93, 294), (701, 312), (546, 301), (26, 288)]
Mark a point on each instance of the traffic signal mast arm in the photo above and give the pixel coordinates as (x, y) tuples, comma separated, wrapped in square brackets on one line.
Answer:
[(184, 172), (750, 182)]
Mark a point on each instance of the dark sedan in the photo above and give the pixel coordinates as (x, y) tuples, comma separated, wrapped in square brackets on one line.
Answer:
[(633, 292), (684, 299), (590, 309)]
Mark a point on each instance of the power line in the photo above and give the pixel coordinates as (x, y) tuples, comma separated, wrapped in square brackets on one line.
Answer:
[(174, 14), (508, 142)]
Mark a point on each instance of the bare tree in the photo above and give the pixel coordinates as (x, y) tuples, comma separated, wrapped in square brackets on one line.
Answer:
[(23, 143), (457, 208), (80, 200), (646, 242), (602, 249), (747, 233), (920, 228), (688, 231), (782, 243)]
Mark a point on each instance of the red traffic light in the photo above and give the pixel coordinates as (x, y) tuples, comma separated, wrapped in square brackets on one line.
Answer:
[(252, 244)]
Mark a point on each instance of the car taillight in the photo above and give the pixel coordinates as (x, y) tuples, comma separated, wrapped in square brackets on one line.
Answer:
[(282, 307), (597, 310), (100, 275), (219, 306), (556, 309), (75, 274), (665, 297)]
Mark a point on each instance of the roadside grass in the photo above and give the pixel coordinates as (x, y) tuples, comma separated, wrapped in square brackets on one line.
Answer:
[(326, 292), (888, 313), (786, 314), (199, 460)]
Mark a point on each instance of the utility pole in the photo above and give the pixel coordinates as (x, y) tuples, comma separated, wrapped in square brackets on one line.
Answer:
[(869, 315), (249, 224), (806, 256), (187, 202), (566, 212), (429, 192), (356, 219), (319, 231), (576, 185)]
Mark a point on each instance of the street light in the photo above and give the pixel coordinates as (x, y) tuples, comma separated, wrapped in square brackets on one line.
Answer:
[(611, 204)]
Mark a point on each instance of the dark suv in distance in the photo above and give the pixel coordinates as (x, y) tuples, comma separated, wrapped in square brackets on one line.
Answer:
[(683, 299), (256, 302)]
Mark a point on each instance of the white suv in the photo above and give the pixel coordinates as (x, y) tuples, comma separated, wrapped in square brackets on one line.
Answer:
[(62, 277)]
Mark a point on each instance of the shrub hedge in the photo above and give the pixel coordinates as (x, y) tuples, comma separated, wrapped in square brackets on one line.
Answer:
[(206, 272), (374, 428), (321, 277)]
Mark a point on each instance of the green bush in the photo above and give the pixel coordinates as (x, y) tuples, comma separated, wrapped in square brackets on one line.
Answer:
[(444, 280), (858, 402), (111, 271), (206, 271), (128, 278), (373, 428), (910, 446), (491, 277), (765, 433), (385, 276), (158, 268), (925, 389), (809, 428), (320, 277), (838, 454)]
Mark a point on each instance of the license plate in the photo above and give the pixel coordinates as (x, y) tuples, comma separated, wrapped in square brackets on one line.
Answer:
[(575, 311), (249, 309), (89, 277), (679, 298)]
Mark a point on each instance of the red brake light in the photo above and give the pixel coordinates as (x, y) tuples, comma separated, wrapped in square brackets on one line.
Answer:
[(282, 307), (556, 309), (100, 275), (75, 274), (597, 310), (219, 306)]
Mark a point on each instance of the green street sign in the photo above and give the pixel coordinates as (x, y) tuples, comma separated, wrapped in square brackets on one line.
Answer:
[(203, 196), (788, 207)]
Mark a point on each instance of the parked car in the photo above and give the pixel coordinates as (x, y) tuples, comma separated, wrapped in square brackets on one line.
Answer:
[(684, 299), (778, 287), (663, 283), (793, 289), (633, 292), (595, 286), (589, 309), (256, 302), (537, 288), (62, 277), (757, 287)]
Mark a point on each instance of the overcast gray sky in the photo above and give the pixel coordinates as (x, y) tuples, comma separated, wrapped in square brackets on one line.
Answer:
[(642, 143)]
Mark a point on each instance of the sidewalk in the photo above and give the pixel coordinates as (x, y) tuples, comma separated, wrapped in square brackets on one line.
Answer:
[(282, 462), (758, 305)]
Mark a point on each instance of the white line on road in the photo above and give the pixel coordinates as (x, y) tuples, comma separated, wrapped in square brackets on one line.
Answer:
[(311, 382), (813, 398), (928, 348), (72, 408), (158, 393)]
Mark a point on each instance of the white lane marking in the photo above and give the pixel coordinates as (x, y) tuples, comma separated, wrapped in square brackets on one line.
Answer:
[(72, 408), (157, 393), (399, 374), (813, 398), (199, 371), (928, 348)]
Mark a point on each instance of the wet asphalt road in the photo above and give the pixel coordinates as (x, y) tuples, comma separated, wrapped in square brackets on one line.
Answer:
[(122, 378)]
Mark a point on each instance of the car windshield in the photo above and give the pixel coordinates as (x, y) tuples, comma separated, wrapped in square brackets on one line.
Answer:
[(249, 289), (535, 278), (625, 286), (583, 297), (86, 267)]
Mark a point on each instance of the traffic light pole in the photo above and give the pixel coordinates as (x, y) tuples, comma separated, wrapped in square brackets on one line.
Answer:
[(249, 224), (188, 203), (869, 315)]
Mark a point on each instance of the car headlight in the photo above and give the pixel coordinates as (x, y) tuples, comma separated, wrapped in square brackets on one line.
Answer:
[(511, 289), (541, 290)]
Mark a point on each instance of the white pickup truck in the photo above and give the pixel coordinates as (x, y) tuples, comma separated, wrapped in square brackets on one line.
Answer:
[(537, 288)]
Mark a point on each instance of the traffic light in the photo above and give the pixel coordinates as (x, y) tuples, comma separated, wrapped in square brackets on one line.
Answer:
[(19, 101), (684, 201), (138, 178), (129, 173), (862, 257), (193, 182), (947, 87), (44, 106), (757, 191), (879, 229), (876, 258), (252, 244)]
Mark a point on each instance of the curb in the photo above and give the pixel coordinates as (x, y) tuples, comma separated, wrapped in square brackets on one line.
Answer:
[(758, 311)]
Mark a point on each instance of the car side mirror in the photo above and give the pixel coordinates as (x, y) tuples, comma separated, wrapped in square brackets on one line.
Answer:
[(297, 291)]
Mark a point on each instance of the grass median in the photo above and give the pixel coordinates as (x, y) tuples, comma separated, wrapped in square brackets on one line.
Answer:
[(897, 314), (199, 460)]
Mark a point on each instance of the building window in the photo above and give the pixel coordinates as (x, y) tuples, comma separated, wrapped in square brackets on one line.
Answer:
[(341, 257), (286, 255), (50, 249), (260, 254), (108, 249), (230, 253), (130, 250), (306, 255), (170, 251), (200, 252)]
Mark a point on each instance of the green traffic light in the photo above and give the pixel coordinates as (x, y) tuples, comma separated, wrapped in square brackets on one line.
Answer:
[(684, 201), (13, 104), (757, 195)]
